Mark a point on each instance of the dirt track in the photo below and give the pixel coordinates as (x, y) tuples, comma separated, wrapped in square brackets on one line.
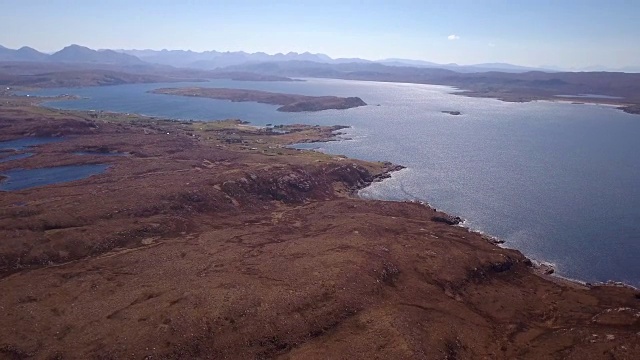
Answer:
[(213, 241)]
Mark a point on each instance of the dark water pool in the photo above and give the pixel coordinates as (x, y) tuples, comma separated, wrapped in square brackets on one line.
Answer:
[(18, 179), (21, 144)]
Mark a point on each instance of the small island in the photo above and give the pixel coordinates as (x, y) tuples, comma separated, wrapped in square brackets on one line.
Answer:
[(452, 112), (288, 102)]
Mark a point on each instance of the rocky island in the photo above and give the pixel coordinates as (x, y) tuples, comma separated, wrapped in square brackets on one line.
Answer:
[(452, 112), (216, 240), (288, 102)]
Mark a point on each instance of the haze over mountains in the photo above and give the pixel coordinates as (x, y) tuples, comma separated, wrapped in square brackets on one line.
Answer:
[(213, 59), (70, 54), (25, 53), (80, 66), (210, 60)]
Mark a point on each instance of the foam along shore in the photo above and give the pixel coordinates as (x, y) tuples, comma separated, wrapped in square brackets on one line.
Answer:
[(633, 109), (288, 102), (540, 267), (216, 239)]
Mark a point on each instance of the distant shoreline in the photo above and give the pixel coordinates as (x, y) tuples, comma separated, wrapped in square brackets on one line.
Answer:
[(516, 97)]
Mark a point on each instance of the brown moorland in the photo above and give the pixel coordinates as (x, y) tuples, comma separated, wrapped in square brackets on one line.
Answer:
[(214, 240)]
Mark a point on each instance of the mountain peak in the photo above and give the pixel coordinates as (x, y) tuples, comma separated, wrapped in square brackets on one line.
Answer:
[(25, 53), (81, 54), (75, 47), (28, 49)]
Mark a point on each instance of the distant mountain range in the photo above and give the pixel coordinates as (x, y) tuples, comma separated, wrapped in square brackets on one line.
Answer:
[(211, 60), (214, 59), (70, 54), (80, 66), (25, 53)]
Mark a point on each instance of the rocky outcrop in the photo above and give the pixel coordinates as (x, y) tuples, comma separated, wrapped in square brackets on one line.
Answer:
[(299, 184), (447, 219), (631, 109)]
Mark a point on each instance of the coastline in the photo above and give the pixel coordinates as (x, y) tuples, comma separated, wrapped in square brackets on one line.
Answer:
[(543, 269), (253, 249), (539, 267), (627, 107)]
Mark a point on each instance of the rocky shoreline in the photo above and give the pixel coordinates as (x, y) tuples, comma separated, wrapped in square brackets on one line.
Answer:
[(631, 109), (217, 240)]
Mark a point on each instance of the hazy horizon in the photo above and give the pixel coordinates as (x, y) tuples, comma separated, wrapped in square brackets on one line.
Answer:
[(568, 35)]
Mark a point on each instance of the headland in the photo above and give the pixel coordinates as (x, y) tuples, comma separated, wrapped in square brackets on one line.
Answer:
[(289, 102), (216, 240)]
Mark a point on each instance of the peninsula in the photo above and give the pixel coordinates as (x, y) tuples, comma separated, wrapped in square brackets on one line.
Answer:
[(216, 240), (619, 89), (289, 102)]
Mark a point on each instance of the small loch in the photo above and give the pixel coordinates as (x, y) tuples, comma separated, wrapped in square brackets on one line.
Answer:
[(24, 143), (19, 179), (12, 149)]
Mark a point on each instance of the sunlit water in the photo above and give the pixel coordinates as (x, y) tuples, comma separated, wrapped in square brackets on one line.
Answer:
[(559, 182)]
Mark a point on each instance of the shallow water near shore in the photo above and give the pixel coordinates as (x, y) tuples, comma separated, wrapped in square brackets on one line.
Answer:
[(27, 142), (556, 181), (11, 150)]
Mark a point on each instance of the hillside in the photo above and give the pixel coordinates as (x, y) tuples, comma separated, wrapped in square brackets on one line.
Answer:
[(25, 53), (82, 78), (214, 240), (81, 54)]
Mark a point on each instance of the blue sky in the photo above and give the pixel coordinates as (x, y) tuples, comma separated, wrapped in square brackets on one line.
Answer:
[(565, 33)]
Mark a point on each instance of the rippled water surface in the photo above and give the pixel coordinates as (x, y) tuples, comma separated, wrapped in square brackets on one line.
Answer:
[(558, 181), (18, 179)]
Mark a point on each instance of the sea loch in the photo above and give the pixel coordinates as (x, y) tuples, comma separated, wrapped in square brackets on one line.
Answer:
[(557, 181)]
